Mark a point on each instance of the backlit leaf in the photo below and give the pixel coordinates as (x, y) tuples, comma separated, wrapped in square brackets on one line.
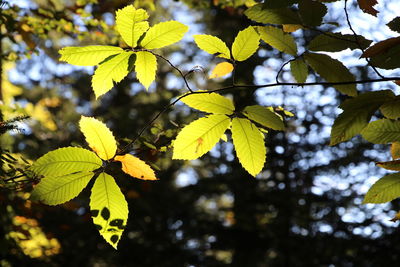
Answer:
[(394, 24), (384, 190), (272, 16), (299, 70), (163, 34), (382, 131), (145, 67), (54, 190), (199, 137), (212, 45), (393, 165), (381, 47), (391, 109), (264, 116), (332, 70), (312, 12), (135, 167), (113, 70), (278, 39), (210, 103), (109, 209), (395, 150), (88, 55), (245, 44), (334, 42), (99, 138), (249, 145), (66, 160), (367, 6), (221, 70), (291, 27), (131, 24)]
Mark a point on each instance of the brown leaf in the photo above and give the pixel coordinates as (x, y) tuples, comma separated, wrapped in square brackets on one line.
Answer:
[(367, 6), (393, 165), (381, 47)]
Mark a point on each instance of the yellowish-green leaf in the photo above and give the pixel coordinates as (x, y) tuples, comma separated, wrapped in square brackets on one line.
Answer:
[(384, 190), (199, 137), (136, 168), (88, 55), (131, 24), (395, 150), (272, 16), (245, 44), (54, 190), (393, 165), (109, 209), (332, 70), (212, 45), (221, 70), (382, 131), (264, 116), (210, 103), (391, 109), (163, 34), (278, 39), (145, 67), (113, 70), (66, 160), (249, 145), (98, 137), (299, 70)]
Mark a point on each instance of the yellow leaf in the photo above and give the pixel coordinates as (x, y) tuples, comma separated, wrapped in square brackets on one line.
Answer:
[(221, 69), (146, 67), (99, 137), (136, 167), (245, 44), (395, 150)]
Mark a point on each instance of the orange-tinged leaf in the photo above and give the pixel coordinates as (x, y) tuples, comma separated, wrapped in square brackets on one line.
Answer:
[(393, 165), (136, 167), (381, 47), (221, 70), (395, 150), (367, 6), (291, 27)]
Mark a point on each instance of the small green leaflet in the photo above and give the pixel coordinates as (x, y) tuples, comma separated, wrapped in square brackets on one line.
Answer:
[(382, 131), (54, 190), (391, 109), (212, 45), (145, 67), (272, 16), (249, 145), (131, 24), (264, 116), (113, 70), (335, 42), (384, 190), (210, 103), (163, 34), (299, 70), (88, 55), (332, 70), (200, 136), (109, 209), (278, 39), (245, 44), (66, 160)]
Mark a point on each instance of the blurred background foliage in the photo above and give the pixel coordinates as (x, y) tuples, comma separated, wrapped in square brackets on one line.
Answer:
[(304, 209)]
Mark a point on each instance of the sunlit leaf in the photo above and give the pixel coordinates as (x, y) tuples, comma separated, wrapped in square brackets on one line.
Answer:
[(199, 137), (54, 190), (135, 167), (99, 138), (212, 45), (210, 103), (272, 16), (113, 70), (221, 70), (109, 209), (384, 190), (145, 67), (299, 70), (278, 39), (163, 34), (382, 131), (88, 55), (131, 25), (264, 116), (249, 145), (245, 44)]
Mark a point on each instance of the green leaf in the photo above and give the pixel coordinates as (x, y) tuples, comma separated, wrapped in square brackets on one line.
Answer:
[(163, 34), (394, 24), (88, 55), (249, 145), (210, 102), (131, 25), (212, 45), (145, 67), (393, 165), (312, 12), (66, 160), (391, 109), (113, 70), (278, 39), (384, 190), (109, 209), (332, 70), (54, 190), (334, 42), (199, 137), (356, 115), (382, 131), (264, 116), (299, 70), (395, 150), (272, 4), (272, 16), (245, 44)]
